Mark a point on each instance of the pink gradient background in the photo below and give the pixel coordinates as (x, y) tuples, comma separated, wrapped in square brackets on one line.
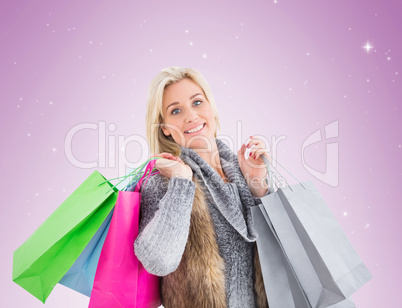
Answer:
[(281, 69)]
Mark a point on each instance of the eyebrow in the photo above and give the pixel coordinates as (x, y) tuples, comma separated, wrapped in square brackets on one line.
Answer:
[(191, 97)]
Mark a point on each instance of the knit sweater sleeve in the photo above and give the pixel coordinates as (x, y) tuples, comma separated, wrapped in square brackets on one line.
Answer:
[(269, 182), (165, 223)]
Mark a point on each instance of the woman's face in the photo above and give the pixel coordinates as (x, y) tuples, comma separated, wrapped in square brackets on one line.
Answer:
[(188, 116)]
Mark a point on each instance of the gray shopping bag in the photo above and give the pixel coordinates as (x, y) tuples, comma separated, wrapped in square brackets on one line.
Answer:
[(326, 266), (282, 286)]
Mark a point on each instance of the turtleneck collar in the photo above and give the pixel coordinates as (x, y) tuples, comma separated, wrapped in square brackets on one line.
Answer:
[(228, 161), (223, 193)]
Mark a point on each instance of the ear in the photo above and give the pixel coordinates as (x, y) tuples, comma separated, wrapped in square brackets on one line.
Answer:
[(165, 131)]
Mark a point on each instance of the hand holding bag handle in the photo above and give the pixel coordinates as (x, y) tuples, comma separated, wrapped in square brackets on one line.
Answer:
[(121, 280)]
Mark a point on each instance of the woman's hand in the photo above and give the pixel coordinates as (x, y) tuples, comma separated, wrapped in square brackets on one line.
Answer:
[(172, 166), (253, 167)]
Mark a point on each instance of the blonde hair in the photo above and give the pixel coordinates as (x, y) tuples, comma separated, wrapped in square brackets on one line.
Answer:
[(158, 142)]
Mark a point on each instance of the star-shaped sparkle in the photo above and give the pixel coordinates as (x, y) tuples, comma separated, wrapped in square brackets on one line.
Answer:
[(367, 47)]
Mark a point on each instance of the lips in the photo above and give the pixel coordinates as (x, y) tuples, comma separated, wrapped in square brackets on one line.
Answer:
[(195, 127)]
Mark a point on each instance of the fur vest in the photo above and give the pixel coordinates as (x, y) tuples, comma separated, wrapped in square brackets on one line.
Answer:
[(199, 281)]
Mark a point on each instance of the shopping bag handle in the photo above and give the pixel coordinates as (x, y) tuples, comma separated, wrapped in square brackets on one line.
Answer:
[(269, 164), (147, 173)]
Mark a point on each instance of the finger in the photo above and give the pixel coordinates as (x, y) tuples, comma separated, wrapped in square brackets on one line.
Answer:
[(240, 153), (179, 160), (254, 141), (254, 149), (167, 156), (260, 152), (242, 149)]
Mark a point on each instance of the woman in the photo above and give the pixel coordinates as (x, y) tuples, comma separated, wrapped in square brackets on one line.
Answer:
[(196, 228)]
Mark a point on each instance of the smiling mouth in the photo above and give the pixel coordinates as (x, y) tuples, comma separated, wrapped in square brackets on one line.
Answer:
[(196, 129)]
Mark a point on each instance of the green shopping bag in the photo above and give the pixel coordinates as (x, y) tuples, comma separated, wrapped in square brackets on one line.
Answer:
[(44, 258)]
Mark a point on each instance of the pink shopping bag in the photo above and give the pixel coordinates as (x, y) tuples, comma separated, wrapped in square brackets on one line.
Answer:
[(120, 279)]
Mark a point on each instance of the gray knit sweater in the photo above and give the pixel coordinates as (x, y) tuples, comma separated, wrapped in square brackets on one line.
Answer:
[(166, 209)]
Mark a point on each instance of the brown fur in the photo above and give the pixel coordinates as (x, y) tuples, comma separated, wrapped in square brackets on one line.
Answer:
[(259, 288), (199, 281)]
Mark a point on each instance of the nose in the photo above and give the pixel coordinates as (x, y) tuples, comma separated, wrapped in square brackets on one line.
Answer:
[(191, 115)]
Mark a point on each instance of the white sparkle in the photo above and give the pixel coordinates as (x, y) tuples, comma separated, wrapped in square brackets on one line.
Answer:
[(366, 226), (63, 190), (15, 62), (150, 50), (186, 31), (54, 149), (345, 213), (368, 80), (241, 24), (20, 98), (367, 47), (104, 77), (50, 103), (399, 145), (305, 82), (191, 43), (47, 25), (18, 106), (350, 29), (90, 42), (308, 54), (29, 134), (36, 194), (389, 58), (236, 37), (204, 56)]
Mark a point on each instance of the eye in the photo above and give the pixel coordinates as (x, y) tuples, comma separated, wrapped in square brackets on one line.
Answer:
[(199, 102), (174, 111)]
